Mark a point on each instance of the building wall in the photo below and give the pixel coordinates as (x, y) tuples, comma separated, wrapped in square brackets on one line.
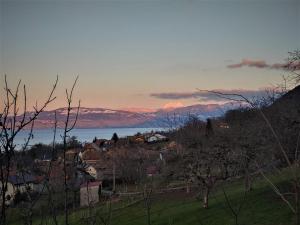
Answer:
[(89, 195), (22, 187), (10, 192), (12, 189)]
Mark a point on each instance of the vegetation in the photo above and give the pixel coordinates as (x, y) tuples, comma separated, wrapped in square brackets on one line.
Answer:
[(261, 206)]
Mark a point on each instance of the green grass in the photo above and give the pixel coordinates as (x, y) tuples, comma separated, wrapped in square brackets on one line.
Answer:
[(262, 206)]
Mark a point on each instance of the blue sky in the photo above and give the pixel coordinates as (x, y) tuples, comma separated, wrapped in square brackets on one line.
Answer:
[(124, 51)]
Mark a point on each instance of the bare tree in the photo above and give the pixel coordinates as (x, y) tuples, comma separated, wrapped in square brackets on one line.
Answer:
[(207, 157), (234, 210), (12, 121), (69, 126), (292, 163), (147, 195), (293, 65)]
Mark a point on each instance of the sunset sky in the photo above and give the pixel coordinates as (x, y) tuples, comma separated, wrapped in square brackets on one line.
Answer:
[(145, 53)]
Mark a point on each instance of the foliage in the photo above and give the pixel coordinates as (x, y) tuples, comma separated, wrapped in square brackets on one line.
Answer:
[(115, 138)]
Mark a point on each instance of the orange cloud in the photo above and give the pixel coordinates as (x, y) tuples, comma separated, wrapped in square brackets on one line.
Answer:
[(172, 105)]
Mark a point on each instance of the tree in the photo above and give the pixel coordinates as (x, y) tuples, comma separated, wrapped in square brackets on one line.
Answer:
[(69, 126), (13, 121), (294, 65), (115, 138), (209, 128), (207, 156), (271, 119), (73, 142)]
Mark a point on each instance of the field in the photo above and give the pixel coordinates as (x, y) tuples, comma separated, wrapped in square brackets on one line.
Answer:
[(260, 206)]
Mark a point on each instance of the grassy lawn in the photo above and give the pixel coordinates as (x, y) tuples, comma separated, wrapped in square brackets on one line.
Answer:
[(261, 206)]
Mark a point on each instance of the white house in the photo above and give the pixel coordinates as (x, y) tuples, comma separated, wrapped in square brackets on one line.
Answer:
[(19, 183), (90, 193), (156, 138)]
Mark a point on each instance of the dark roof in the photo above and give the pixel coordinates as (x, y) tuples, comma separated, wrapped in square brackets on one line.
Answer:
[(21, 179)]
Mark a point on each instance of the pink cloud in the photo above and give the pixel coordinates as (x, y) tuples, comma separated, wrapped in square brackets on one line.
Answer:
[(292, 66), (205, 96), (250, 63)]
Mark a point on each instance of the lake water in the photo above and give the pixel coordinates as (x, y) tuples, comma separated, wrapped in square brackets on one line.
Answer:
[(45, 136)]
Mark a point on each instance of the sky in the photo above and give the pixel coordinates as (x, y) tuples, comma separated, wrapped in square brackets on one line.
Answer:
[(135, 53)]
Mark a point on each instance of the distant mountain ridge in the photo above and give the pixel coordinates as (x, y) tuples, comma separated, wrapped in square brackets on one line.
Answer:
[(110, 118)]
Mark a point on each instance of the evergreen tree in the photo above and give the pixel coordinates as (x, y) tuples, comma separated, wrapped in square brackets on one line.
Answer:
[(115, 138)]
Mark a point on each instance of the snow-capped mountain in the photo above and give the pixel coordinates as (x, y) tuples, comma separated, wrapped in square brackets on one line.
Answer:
[(104, 118)]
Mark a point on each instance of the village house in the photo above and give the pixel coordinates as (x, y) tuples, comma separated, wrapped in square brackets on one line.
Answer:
[(91, 147), (90, 193), (153, 138), (20, 183), (224, 125), (52, 172), (99, 144), (72, 154), (136, 139), (97, 162), (152, 171), (103, 144)]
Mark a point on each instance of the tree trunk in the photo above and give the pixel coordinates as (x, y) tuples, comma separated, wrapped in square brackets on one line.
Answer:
[(297, 202), (3, 203), (114, 177), (205, 198), (248, 186), (74, 199), (188, 189)]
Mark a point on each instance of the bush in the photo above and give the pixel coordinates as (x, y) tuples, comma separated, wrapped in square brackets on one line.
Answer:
[(20, 197)]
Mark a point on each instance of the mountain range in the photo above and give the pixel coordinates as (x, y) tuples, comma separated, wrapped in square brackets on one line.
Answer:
[(110, 118)]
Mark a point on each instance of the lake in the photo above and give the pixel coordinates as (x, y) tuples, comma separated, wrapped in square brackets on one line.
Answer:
[(45, 136)]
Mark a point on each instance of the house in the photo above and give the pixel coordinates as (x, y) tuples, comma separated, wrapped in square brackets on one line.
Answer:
[(21, 183), (90, 154), (97, 164), (156, 138), (91, 146), (84, 169), (223, 125), (52, 172), (72, 154), (90, 193), (172, 145), (152, 171), (139, 140), (100, 144), (136, 139)]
